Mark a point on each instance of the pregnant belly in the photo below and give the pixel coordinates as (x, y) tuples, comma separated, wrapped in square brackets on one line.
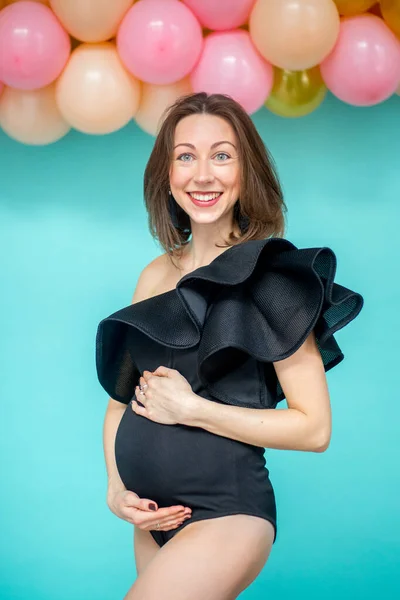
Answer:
[(174, 464)]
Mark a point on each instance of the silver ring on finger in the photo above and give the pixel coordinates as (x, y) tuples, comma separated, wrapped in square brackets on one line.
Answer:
[(158, 526)]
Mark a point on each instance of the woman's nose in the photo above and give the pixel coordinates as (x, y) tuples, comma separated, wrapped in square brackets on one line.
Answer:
[(204, 172)]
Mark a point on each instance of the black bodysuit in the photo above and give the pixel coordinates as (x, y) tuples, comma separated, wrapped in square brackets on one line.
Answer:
[(222, 327)]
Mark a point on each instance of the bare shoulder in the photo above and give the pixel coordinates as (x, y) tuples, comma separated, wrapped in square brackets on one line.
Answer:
[(152, 278)]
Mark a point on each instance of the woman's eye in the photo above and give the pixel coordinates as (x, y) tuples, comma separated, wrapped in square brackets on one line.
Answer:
[(222, 154), (183, 157)]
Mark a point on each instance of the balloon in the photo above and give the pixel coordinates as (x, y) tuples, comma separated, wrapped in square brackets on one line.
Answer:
[(74, 43), (364, 67), (221, 14), (13, 1), (350, 8), (91, 20), (294, 34), (155, 99), (94, 93), (376, 10), (231, 65), (159, 41), (32, 116), (34, 46), (391, 13), (296, 93)]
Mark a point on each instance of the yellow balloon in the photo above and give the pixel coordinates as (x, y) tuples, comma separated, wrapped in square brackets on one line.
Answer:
[(91, 20), (155, 99), (95, 93), (296, 93), (32, 116), (350, 8), (390, 10), (294, 34)]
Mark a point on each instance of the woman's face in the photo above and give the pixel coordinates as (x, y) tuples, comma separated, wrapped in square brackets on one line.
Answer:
[(205, 174)]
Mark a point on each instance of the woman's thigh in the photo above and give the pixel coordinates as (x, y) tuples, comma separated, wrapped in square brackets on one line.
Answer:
[(145, 548), (214, 559)]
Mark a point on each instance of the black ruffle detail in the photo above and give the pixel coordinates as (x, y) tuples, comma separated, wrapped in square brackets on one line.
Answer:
[(258, 301)]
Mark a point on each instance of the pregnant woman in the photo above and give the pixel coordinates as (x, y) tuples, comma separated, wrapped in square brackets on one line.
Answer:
[(230, 320)]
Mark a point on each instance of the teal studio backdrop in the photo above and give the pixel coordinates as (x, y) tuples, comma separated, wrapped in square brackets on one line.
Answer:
[(74, 238)]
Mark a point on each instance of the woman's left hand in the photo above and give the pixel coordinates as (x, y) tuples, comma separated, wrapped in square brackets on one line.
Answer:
[(167, 396)]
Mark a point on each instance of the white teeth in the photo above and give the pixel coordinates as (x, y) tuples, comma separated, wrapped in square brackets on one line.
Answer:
[(205, 197)]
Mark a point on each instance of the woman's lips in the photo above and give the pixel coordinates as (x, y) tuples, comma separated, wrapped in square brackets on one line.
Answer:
[(205, 203)]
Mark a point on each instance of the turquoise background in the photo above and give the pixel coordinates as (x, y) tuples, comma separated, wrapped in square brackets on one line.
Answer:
[(73, 240)]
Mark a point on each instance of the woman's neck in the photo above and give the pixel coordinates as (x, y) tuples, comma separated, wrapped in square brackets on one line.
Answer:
[(204, 246)]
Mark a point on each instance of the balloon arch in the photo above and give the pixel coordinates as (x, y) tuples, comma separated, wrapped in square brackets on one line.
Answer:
[(94, 65)]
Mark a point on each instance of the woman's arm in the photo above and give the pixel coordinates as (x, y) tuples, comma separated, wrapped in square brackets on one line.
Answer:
[(304, 425), (113, 416), (116, 409)]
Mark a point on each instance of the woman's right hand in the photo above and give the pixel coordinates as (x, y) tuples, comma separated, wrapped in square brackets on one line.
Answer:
[(127, 505)]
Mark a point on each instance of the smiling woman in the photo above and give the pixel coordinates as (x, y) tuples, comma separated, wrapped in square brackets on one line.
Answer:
[(211, 148), (222, 327), (208, 175)]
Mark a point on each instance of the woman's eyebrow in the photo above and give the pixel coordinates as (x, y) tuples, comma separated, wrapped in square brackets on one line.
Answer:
[(212, 146)]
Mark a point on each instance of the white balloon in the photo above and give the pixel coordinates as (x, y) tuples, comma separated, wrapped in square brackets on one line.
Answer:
[(155, 99), (32, 116)]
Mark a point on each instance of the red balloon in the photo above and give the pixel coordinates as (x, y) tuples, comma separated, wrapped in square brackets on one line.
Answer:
[(159, 41), (218, 15), (364, 67), (230, 64), (34, 46)]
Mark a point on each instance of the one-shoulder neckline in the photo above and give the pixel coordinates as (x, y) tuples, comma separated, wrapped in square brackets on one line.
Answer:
[(260, 301), (188, 275)]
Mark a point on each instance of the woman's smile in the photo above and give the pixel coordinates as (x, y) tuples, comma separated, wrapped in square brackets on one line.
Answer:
[(204, 199)]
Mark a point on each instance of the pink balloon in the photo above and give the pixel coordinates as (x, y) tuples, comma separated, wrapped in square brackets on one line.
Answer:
[(364, 67), (159, 41), (221, 14), (231, 65), (34, 46)]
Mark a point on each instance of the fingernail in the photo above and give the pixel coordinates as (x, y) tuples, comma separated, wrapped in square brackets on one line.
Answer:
[(152, 507)]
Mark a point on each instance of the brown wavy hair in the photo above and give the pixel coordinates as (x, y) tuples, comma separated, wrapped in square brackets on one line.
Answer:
[(261, 199)]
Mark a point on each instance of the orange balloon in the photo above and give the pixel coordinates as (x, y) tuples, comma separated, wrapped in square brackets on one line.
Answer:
[(294, 34), (95, 93), (74, 43), (391, 13), (91, 20), (376, 10), (13, 1), (32, 116), (349, 8), (155, 99)]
